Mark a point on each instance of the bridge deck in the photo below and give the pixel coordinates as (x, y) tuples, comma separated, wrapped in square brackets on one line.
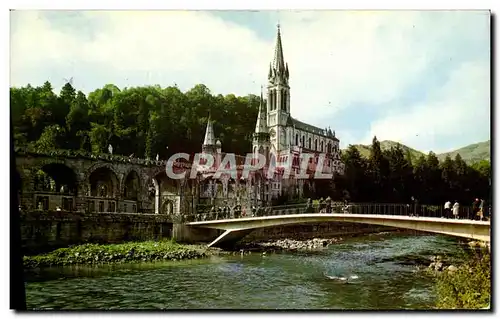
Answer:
[(473, 229), (328, 217)]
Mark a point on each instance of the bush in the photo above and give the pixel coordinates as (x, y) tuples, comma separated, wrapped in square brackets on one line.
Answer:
[(468, 287)]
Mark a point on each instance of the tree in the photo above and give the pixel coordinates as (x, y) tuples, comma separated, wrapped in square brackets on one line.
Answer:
[(434, 180), (77, 121), (399, 169), (378, 168), (355, 179), (449, 178), (51, 138)]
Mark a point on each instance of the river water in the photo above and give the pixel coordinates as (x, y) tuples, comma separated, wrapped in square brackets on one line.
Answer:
[(378, 279)]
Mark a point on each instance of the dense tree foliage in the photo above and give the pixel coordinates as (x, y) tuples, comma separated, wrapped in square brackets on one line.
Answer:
[(151, 120), (392, 176), (143, 121)]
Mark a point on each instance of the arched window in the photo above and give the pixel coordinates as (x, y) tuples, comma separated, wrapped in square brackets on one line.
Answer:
[(303, 141), (316, 144), (321, 146), (329, 147), (309, 143), (297, 139)]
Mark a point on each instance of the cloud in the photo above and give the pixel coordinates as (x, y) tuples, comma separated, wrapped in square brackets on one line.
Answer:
[(337, 60), (457, 110)]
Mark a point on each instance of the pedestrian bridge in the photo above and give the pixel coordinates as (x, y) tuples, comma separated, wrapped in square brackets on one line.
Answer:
[(237, 228)]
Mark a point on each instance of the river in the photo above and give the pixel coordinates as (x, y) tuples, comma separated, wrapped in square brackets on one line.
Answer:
[(377, 279)]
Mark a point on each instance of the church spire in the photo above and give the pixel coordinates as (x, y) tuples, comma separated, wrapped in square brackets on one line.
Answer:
[(261, 126), (209, 134), (278, 61)]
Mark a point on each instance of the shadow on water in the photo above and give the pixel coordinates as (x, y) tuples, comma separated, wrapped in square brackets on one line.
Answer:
[(377, 280)]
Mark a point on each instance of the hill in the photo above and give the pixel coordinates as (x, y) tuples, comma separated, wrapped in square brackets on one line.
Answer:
[(470, 153), (364, 150)]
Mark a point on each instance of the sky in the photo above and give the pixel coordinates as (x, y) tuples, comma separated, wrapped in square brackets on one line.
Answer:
[(421, 78)]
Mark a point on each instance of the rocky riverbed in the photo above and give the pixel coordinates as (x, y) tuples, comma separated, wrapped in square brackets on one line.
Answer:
[(289, 244), (440, 264)]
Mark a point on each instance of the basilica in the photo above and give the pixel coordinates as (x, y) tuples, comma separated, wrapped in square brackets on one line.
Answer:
[(283, 139)]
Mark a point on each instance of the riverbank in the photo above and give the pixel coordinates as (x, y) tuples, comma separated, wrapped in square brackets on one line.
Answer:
[(464, 284), (467, 286), (92, 254)]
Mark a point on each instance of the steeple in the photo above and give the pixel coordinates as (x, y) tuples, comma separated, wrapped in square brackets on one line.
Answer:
[(261, 136), (278, 61), (261, 126), (278, 98), (209, 134)]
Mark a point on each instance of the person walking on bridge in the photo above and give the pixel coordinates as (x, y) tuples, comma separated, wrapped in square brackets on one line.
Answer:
[(447, 209), (475, 209), (415, 207), (456, 207), (481, 210)]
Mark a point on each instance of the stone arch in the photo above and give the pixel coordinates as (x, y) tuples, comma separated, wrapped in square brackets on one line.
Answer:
[(102, 181), (167, 207), (297, 139), (316, 144), (166, 192), (55, 176), (322, 146), (131, 185), (329, 147)]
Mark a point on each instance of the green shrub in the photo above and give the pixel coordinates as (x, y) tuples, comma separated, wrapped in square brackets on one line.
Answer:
[(468, 287)]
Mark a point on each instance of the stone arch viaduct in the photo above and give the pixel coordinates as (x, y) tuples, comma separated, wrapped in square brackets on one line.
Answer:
[(102, 183)]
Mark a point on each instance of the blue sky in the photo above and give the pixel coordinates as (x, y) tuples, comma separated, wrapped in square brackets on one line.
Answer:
[(417, 77)]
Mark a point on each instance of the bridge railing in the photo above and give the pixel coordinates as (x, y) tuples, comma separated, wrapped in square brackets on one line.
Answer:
[(224, 213)]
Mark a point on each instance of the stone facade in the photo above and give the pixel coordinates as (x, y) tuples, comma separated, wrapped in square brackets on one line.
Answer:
[(103, 184), (100, 184)]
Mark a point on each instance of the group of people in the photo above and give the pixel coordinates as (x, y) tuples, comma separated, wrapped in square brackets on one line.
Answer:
[(479, 210)]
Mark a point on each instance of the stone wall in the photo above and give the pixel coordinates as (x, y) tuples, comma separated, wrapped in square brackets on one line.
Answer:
[(313, 230), (45, 230), (194, 235)]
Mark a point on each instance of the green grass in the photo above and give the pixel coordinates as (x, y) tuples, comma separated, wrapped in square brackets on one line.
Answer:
[(115, 253)]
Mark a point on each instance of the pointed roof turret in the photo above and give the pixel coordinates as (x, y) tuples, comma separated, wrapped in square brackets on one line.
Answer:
[(209, 134), (261, 125), (278, 61)]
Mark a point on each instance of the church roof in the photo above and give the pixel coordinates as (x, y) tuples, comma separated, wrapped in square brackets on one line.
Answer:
[(311, 128)]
